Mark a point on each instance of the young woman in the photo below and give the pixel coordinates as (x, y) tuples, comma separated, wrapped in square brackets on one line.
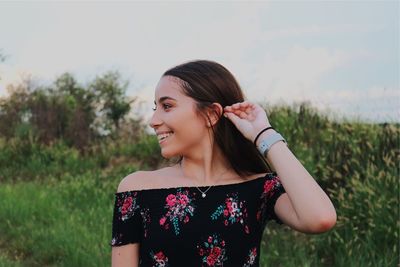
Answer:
[(211, 208)]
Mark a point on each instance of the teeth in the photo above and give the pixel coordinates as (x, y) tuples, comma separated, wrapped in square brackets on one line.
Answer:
[(163, 136)]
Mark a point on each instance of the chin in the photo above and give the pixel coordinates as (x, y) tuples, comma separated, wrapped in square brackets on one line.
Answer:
[(168, 155)]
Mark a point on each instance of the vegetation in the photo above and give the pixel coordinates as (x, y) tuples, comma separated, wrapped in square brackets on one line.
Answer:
[(64, 149)]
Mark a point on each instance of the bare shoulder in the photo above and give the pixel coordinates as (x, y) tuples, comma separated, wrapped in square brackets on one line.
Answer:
[(140, 180), (134, 181), (165, 177)]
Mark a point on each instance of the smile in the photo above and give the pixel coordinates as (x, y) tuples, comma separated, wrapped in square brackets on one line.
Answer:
[(163, 137)]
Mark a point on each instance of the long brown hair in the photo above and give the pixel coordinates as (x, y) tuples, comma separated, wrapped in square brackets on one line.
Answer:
[(208, 82)]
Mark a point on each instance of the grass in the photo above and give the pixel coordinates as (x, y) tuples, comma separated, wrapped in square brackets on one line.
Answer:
[(56, 204)]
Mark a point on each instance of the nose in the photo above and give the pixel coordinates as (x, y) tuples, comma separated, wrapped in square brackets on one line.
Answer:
[(154, 121)]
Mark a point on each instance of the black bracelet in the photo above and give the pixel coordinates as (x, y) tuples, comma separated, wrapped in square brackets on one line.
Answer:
[(255, 141)]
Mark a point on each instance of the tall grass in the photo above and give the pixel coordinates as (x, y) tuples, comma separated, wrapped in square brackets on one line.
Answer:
[(56, 204)]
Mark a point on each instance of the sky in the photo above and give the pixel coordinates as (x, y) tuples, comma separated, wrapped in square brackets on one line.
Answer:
[(341, 56)]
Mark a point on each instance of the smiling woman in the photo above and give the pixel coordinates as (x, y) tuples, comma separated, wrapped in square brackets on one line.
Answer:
[(211, 208), (200, 90)]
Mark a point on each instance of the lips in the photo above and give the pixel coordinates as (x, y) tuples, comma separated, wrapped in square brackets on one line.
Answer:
[(164, 136)]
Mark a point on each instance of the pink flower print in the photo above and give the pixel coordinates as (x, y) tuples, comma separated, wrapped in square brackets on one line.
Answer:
[(210, 261), (226, 212), (212, 251), (162, 220), (179, 209), (127, 205), (251, 257), (232, 211), (159, 259), (215, 252), (214, 255), (269, 189), (171, 199), (268, 186), (186, 219), (183, 200), (146, 220)]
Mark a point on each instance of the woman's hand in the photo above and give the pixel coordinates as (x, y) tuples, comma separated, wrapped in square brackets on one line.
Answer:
[(249, 118)]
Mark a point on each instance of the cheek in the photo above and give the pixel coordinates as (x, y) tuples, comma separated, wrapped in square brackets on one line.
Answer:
[(189, 126), (189, 131)]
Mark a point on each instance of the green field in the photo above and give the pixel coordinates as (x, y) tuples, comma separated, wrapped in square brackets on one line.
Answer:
[(56, 202)]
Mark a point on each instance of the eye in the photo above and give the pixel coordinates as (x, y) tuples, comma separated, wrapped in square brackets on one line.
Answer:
[(166, 106)]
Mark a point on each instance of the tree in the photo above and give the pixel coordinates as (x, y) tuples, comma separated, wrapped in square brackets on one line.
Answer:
[(111, 99), (68, 111)]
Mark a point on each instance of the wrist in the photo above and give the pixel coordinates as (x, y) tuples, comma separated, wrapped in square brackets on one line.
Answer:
[(264, 135), (257, 133), (267, 141)]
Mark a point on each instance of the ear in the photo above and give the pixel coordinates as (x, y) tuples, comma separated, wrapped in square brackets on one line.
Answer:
[(214, 114)]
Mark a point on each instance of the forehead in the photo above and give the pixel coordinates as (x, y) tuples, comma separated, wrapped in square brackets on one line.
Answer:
[(168, 86)]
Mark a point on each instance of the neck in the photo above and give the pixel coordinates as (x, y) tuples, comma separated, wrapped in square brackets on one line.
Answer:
[(205, 164), (212, 175)]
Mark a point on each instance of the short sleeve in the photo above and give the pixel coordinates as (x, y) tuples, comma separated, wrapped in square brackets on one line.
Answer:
[(273, 188), (127, 223)]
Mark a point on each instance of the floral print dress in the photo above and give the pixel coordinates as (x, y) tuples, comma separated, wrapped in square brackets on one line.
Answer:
[(178, 227)]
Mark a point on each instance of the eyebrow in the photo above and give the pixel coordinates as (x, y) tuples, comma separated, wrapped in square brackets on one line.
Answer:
[(161, 99)]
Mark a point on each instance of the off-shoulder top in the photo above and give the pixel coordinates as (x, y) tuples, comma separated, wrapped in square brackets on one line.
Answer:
[(178, 227)]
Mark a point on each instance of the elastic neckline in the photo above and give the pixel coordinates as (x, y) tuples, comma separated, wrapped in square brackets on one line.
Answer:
[(193, 187)]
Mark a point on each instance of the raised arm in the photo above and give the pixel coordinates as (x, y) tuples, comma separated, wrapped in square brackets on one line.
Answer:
[(305, 206)]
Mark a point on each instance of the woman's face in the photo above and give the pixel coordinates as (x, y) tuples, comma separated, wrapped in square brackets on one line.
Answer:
[(175, 112)]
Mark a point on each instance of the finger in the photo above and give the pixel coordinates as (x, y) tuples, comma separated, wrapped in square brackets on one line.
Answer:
[(246, 104), (249, 109), (227, 115), (243, 115), (233, 118), (237, 114), (228, 108), (236, 105), (240, 105), (235, 108)]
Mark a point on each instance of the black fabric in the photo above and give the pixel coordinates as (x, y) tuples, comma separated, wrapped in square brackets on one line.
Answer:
[(178, 227)]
